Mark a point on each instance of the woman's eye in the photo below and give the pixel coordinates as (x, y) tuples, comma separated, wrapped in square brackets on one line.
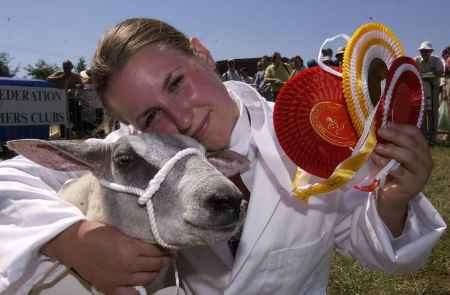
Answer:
[(174, 85), (150, 117)]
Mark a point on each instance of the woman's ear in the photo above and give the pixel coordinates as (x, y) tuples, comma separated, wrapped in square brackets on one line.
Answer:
[(201, 51)]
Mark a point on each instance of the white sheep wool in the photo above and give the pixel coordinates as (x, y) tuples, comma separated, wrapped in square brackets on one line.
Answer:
[(145, 198)]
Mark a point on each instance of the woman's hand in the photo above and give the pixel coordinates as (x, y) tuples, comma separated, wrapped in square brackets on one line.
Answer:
[(107, 258), (408, 146)]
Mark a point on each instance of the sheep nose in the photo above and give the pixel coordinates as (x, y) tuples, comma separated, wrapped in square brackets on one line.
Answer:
[(223, 202), (225, 208)]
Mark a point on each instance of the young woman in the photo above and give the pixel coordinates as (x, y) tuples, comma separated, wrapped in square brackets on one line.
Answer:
[(155, 79)]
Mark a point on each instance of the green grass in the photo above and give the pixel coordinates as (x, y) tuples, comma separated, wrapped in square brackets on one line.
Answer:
[(348, 277)]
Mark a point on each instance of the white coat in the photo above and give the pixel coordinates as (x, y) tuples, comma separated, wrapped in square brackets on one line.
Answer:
[(285, 244)]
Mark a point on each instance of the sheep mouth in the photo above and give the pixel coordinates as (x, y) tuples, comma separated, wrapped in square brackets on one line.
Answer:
[(217, 221), (219, 227), (227, 227)]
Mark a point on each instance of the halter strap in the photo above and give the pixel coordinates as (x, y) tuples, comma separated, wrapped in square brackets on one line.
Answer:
[(145, 196)]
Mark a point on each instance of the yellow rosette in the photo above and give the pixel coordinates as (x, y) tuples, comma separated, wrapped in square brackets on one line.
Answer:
[(370, 51)]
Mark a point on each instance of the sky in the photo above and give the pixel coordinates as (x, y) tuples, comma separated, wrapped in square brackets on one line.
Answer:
[(56, 30)]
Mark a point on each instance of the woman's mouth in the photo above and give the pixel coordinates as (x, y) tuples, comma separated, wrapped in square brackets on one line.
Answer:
[(202, 128)]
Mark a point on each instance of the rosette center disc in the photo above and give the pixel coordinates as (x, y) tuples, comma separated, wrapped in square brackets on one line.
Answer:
[(375, 79), (312, 123)]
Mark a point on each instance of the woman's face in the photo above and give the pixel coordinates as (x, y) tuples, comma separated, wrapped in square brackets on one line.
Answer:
[(163, 90)]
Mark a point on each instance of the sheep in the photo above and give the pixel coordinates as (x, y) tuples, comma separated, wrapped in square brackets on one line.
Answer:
[(195, 201)]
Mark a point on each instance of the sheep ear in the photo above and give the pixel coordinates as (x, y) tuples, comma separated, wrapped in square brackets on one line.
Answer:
[(228, 162), (62, 155)]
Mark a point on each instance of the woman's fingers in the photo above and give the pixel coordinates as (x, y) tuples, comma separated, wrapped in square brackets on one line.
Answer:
[(150, 264), (142, 278), (404, 156)]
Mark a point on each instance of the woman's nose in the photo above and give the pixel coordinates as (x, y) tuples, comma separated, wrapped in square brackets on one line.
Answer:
[(181, 116)]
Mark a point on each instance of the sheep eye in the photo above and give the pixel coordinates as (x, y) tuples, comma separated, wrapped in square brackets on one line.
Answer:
[(124, 160)]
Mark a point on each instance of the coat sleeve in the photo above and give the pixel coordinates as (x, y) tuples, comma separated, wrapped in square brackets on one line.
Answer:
[(362, 234), (31, 214)]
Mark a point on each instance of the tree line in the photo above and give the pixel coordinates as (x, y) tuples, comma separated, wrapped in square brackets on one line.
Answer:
[(40, 70)]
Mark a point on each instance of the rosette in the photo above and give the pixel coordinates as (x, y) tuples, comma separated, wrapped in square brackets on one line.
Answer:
[(369, 53)]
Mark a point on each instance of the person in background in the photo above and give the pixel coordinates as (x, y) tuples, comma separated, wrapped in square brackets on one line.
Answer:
[(431, 70), (165, 82), (444, 105), (66, 79), (296, 64), (277, 73), (260, 84), (266, 60), (327, 57), (446, 59), (259, 76), (232, 74), (311, 63), (339, 56), (71, 83), (245, 76), (91, 105)]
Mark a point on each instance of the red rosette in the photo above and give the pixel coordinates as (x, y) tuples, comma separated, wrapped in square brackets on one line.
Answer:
[(312, 123), (403, 100)]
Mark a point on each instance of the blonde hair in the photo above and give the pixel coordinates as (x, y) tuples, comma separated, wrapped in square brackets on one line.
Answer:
[(125, 39)]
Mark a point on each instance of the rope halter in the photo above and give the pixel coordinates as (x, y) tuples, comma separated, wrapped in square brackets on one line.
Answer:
[(145, 196)]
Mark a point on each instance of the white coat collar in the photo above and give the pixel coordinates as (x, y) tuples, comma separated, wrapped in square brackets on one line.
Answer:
[(264, 200), (240, 143), (241, 134)]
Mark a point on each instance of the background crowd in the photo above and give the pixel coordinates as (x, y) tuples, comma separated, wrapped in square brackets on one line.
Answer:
[(86, 114), (273, 72), (268, 75)]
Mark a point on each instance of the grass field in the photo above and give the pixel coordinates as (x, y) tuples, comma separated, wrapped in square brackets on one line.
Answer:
[(347, 277)]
